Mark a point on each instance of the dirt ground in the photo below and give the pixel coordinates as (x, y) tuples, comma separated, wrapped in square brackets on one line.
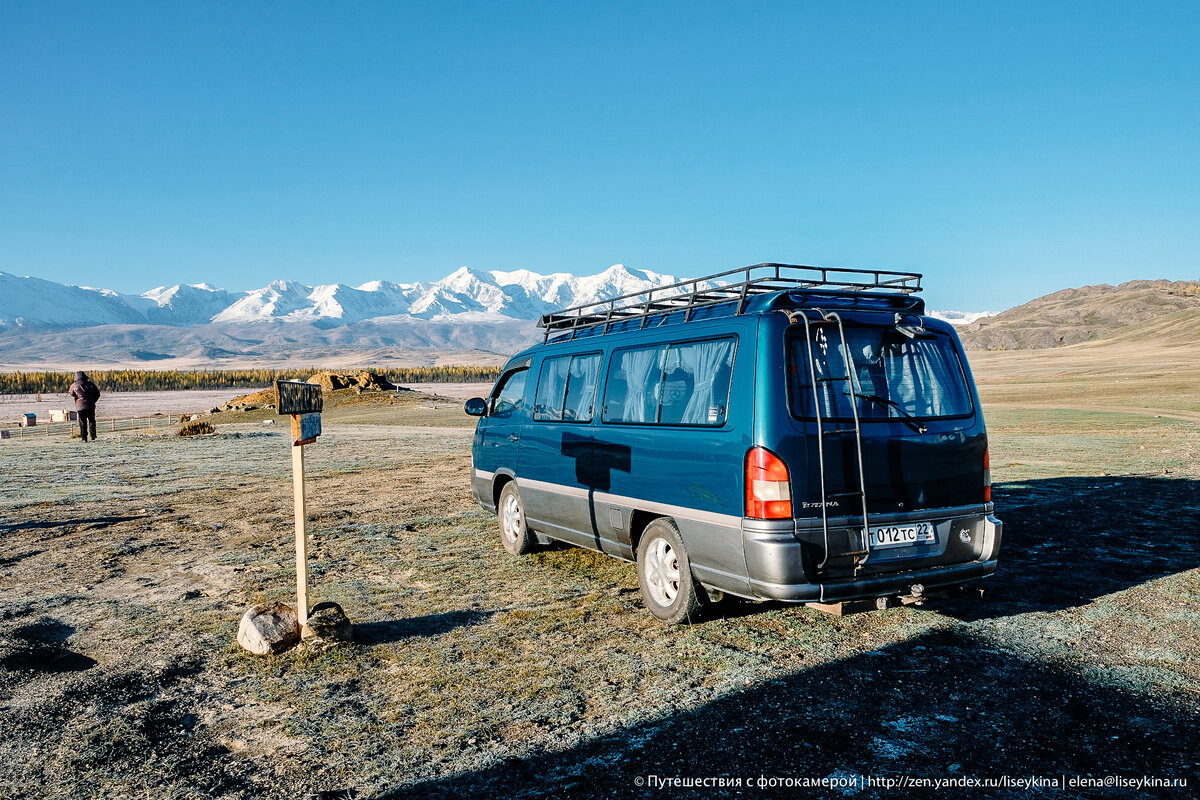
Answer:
[(127, 564)]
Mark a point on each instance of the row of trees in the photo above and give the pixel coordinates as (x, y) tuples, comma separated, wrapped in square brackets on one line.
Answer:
[(131, 380)]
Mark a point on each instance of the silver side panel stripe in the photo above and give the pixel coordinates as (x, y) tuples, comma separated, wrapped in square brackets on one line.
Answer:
[(486, 476), (676, 512), (553, 488)]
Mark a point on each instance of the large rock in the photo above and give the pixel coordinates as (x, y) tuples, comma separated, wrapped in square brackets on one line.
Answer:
[(364, 380), (247, 401), (269, 628), (327, 623)]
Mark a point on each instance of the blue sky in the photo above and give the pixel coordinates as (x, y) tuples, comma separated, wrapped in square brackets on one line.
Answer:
[(1006, 150)]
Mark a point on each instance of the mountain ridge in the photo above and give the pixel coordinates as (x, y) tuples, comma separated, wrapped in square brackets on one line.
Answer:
[(517, 294), (470, 315)]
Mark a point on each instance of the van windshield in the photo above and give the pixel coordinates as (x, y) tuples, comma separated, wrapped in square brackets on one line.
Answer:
[(891, 375)]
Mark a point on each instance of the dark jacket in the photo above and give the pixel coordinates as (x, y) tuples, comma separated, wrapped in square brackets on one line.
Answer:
[(85, 392)]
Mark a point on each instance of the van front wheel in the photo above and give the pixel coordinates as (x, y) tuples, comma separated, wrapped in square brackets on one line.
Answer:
[(665, 574), (514, 533)]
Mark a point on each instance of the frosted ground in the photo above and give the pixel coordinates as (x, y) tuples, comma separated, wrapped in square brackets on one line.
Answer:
[(479, 674), (191, 401), (119, 404)]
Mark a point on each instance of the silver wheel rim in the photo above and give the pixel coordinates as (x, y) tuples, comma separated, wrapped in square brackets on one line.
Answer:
[(662, 572), (510, 519)]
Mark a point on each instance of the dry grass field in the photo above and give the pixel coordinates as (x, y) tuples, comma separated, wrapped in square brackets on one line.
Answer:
[(127, 564)]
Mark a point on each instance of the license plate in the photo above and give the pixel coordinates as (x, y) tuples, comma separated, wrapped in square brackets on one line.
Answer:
[(901, 535)]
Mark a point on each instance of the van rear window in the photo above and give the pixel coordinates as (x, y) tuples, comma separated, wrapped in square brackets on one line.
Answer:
[(673, 384), (891, 375)]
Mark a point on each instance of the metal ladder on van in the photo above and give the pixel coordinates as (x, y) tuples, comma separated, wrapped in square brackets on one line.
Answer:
[(834, 320)]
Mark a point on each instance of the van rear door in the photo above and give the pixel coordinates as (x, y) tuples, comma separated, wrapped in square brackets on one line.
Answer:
[(921, 433), (921, 438)]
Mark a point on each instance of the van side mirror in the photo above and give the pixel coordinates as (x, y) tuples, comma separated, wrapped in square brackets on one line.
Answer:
[(476, 406)]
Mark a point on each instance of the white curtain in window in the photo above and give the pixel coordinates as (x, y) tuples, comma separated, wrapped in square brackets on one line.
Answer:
[(637, 367), (903, 377), (829, 361), (551, 388), (581, 389), (702, 360), (923, 379)]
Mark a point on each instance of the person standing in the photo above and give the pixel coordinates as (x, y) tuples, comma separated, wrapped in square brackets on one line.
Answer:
[(86, 394)]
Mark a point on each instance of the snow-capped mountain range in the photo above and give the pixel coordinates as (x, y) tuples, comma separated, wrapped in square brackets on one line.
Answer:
[(520, 294), (470, 316)]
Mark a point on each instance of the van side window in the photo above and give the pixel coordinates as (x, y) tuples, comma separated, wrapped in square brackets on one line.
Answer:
[(509, 394), (677, 384), (566, 389)]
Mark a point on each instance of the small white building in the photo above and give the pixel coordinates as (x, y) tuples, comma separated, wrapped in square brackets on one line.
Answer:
[(63, 415)]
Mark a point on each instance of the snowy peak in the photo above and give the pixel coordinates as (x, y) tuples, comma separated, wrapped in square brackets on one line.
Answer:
[(522, 294), (279, 299), (34, 301), (461, 291), (186, 304)]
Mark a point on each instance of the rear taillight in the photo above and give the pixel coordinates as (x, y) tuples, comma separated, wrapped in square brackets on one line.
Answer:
[(768, 491), (987, 477)]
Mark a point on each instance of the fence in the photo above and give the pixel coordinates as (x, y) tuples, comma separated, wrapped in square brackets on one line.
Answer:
[(151, 423)]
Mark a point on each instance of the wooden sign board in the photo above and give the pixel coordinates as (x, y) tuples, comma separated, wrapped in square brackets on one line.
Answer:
[(298, 397), (305, 428)]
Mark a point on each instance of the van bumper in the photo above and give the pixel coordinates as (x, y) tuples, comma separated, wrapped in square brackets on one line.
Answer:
[(776, 560)]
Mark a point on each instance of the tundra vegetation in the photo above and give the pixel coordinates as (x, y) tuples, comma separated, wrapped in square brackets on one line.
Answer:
[(196, 427), (122, 581), (130, 380)]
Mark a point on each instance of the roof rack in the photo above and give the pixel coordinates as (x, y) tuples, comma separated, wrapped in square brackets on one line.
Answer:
[(724, 287)]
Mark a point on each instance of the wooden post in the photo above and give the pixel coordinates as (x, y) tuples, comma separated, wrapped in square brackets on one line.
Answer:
[(301, 535), (303, 402)]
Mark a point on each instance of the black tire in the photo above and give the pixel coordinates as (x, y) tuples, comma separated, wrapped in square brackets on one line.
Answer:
[(665, 574), (510, 511)]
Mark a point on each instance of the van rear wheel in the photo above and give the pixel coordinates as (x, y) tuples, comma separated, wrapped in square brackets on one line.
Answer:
[(514, 533), (665, 574)]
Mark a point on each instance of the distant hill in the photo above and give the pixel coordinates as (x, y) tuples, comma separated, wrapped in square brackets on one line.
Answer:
[(1166, 310)]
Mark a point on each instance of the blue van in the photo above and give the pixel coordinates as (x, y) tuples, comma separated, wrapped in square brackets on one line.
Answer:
[(776, 432)]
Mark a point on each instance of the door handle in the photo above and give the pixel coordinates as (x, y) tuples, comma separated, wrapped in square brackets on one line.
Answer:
[(512, 437)]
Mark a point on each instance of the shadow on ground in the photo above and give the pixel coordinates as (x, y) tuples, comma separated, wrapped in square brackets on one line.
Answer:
[(86, 523), (41, 647), (430, 625), (1068, 541), (938, 706)]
